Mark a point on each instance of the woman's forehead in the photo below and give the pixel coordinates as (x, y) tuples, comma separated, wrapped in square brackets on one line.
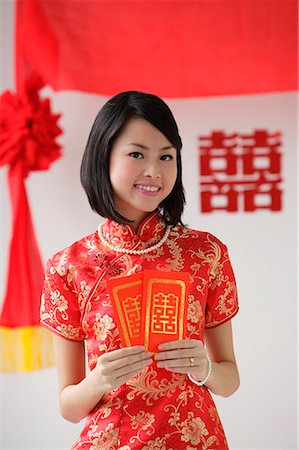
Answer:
[(139, 131)]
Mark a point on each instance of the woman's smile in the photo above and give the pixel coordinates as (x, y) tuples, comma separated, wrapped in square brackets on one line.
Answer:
[(147, 189)]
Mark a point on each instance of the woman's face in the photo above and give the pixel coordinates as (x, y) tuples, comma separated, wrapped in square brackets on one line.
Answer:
[(143, 169)]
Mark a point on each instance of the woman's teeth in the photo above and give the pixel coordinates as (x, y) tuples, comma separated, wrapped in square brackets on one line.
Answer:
[(147, 188)]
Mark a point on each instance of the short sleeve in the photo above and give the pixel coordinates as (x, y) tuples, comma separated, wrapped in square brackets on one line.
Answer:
[(222, 302), (59, 310)]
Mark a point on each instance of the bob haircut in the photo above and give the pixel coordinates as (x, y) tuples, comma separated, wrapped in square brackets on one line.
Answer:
[(107, 126)]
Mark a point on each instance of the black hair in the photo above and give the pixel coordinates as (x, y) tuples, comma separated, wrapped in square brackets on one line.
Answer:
[(107, 126)]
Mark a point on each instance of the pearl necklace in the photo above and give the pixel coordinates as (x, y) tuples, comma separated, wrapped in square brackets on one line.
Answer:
[(119, 249)]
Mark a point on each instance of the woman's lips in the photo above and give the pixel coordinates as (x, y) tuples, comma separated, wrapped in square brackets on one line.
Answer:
[(147, 189)]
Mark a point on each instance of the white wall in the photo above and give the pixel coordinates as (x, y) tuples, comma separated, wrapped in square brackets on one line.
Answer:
[(262, 414)]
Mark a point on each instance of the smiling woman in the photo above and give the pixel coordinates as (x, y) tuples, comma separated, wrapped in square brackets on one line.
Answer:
[(178, 288), (139, 126), (141, 179)]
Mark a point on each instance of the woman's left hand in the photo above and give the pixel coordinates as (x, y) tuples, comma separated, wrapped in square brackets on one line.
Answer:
[(183, 356)]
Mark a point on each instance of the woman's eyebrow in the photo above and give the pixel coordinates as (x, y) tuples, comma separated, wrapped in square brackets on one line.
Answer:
[(143, 147)]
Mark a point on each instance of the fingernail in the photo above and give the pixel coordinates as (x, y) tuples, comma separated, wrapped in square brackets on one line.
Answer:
[(160, 346)]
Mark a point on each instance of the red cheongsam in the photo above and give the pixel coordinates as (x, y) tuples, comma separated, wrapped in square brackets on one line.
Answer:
[(157, 410)]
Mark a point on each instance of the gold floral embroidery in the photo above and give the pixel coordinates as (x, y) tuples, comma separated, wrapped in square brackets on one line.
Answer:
[(69, 331), (150, 388), (105, 407), (59, 301), (156, 444), (143, 423), (142, 420), (210, 256), (90, 243), (193, 429), (60, 307), (195, 312), (83, 294), (71, 274), (201, 282), (195, 316), (216, 272), (149, 257), (182, 400), (105, 439), (175, 262), (227, 301), (61, 263), (102, 326), (215, 418)]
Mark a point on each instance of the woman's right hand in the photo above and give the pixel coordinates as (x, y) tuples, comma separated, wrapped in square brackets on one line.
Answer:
[(80, 393), (118, 366)]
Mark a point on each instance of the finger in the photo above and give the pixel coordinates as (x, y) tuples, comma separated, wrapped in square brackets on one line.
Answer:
[(126, 361), (125, 378), (181, 343), (181, 353), (185, 370), (176, 363), (123, 352), (136, 367)]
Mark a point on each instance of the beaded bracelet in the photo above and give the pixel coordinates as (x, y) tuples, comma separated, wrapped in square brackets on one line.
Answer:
[(201, 383)]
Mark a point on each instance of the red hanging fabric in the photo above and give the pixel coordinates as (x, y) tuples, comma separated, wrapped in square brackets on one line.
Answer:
[(170, 48), (27, 143), (25, 271)]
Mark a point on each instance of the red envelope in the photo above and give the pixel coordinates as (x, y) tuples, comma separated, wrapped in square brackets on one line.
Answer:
[(126, 297), (164, 307), (150, 307)]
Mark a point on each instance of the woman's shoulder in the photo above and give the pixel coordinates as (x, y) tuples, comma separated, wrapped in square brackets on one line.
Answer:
[(78, 252), (204, 237)]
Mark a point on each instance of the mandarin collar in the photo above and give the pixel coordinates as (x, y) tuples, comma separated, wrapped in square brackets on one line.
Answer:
[(150, 230)]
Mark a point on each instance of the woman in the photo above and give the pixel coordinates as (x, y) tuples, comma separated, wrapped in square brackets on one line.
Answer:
[(134, 399)]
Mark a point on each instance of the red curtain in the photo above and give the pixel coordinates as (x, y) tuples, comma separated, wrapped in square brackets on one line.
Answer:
[(170, 48)]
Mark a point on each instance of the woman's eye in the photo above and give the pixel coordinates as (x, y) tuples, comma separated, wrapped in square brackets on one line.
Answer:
[(136, 155), (166, 157)]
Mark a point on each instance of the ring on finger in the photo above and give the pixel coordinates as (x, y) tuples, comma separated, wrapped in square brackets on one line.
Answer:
[(191, 361)]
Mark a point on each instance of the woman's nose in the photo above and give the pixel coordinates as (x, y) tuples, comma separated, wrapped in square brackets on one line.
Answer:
[(152, 169)]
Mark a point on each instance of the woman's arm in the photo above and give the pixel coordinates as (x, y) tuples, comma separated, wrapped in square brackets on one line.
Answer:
[(79, 393), (224, 380)]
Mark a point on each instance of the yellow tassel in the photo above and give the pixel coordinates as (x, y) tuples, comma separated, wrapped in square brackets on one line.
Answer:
[(24, 349)]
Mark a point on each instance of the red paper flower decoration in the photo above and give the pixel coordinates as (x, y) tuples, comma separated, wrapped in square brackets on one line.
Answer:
[(28, 129)]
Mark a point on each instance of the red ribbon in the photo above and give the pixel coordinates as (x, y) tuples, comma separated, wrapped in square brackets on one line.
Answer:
[(27, 142), (25, 269)]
